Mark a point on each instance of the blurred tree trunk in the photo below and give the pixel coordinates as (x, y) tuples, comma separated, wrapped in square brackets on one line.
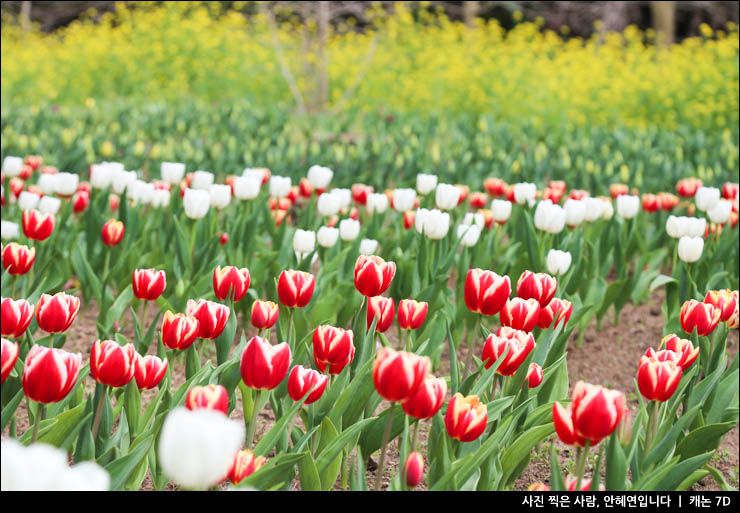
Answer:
[(664, 21), (26, 15), (470, 11)]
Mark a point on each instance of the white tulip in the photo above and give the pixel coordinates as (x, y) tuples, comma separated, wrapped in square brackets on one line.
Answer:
[(327, 236), (304, 242), (328, 204), (500, 210), (9, 230), (706, 198), (28, 200), (475, 218), (49, 205), (141, 192), (349, 229), (122, 180), (558, 262), (201, 180), (377, 203), (720, 212), (172, 172), (254, 172), (575, 212), (549, 217), (433, 223), (47, 183), (628, 206), (85, 477), (196, 203), (695, 227), (345, 197), (220, 195), (690, 248), (66, 183), (594, 208), (12, 166), (525, 193), (161, 198), (468, 234), (197, 448), (403, 199), (247, 187), (446, 196), (102, 174), (279, 186), (320, 176), (425, 183), (674, 227), (608, 209), (368, 246)]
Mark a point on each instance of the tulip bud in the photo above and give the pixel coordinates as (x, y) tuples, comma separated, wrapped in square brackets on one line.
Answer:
[(279, 186), (223, 239), (517, 345), (466, 418), (486, 292), (111, 364), (209, 397), (667, 201), (368, 247), (264, 366), (558, 262), (413, 469), (55, 314), (593, 414), (525, 193), (245, 464), (628, 206), (659, 374), (212, 317), (412, 314), (295, 288), (37, 225), (404, 199), (520, 314), (349, 229), (361, 192), (427, 400), (149, 371), (688, 352), (434, 223), (327, 237), (80, 201), (308, 383), (650, 203), (377, 203), (702, 317), (398, 374), (320, 176), (9, 353), (558, 310), (16, 317), (724, 300), (196, 203), (230, 282), (539, 286), (534, 375), (690, 248), (112, 232), (50, 374), (201, 180), (333, 348), (172, 172), (179, 331), (373, 275), (494, 186), (446, 196), (501, 210), (382, 308), (425, 183), (148, 284), (549, 217), (18, 259), (687, 187), (219, 196), (264, 314), (409, 219), (575, 212), (468, 235), (706, 198), (328, 204)]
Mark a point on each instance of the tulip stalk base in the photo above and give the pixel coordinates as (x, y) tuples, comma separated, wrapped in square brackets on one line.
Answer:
[(581, 455), (40, 412), (386, 438), (99, 411)]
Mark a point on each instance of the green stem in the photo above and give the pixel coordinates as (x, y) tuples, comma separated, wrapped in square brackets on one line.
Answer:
[(40, 411), (652, 426), (386, 437), (99, 412), (581, 454), (414, 434), (259, 402)]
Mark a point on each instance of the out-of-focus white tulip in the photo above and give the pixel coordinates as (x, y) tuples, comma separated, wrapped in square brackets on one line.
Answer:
[(446, 196), (608, 209), (628, 206), (196, 203), (201, 180), (279, 186), (327, 236), (681, 226), (425, 183), (320, 176), (328, 204), (525, 193), (558, 262), (432, 223), (141, 192), (475, 218), (102, 174), (47, 183), (674, 227), (28, 200), (66, 183), (720, 212), (49, 205), (197, 448), (345, 197), (500, 210), (254, 172), (706, 198), (246, 187), (85, 477), (304, 242), (469, 233), (695, 226), (349, 229), (122, 180), (161, 198), (377, 203), (220, 195), (403, 199), (9, 230), (549, 217), (12, 166), (575, 212), (594, 208), (368, 246), (172, 172), (690, 248)]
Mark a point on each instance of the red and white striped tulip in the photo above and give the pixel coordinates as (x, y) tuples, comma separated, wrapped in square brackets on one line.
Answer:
[(308, 383), (382, 309), (148, 284), (515, 343), (466, 417), (295, 288), (212, 317), (231, 282), (50, 374), (16, 317), (245, 464), (179, 331), (412, 314), (18, 259), (398, 374), (689, 353), (80, 201), (486, 292), (37, 225), (521, 314), (264, 314), (55, 314), (373, 275), (112, 364), (333, 348), (557, 311), (413, 469), (9, 353), (149, 371), (264, 366), (702, 317), (209, 397), (112, 232), (724, 300), (428, 398), (535, 375), (687, 187), (540, 286), (659, 374), (593, 414)]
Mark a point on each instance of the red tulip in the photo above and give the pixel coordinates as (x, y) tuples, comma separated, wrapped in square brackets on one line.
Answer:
[(729, 190), (112, 364), (540, 286), (593, 414), (702, 317), (223, 239), (466, 417), (55, 314), (428, 398), (264, 366), (687, 187), (534, 375), (373, 275), (517, 345), (304, 382), (209, 397), (558, 310), (9, 353), (521, 314), (412, 314), (16, 317), (650, 203), (149, 371), (264, 314), (333, 348), (478, 200), (659, 374), (112, 232), (495, 186), (305, 189), (179, 331), (212, 317), (114, 201), (486, 292), (409, 218), (231, 282), (667, 201), (724, 300), (295, 288), (558, 185), (383, 309), (413, 469), (37, 225), (80, 201), (464, 191), (689, 353), (398, 374), (553, 195), (33, 161), (50, 374), (18, 259), (245, 464), (148, 284), (360, 192)]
